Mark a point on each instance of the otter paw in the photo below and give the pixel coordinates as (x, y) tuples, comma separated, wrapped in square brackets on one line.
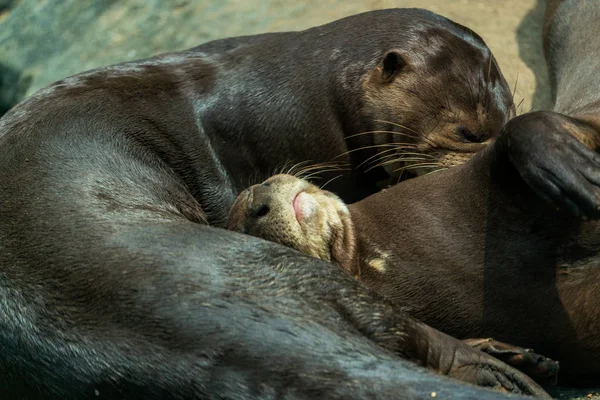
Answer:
[(481, 369), (555, 165), (535, 365)]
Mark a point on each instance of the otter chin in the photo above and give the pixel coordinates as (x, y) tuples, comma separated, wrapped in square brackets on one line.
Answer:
[(297, 214)]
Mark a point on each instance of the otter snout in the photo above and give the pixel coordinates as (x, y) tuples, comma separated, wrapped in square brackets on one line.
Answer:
[(296, 213), (261, 196), (261, 208)]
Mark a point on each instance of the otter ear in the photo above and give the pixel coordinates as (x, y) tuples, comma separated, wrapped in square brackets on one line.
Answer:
[(392, 64)]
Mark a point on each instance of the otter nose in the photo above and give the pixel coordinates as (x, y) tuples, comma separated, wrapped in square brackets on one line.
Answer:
[(261, 199), (258, 210), (468, 135)]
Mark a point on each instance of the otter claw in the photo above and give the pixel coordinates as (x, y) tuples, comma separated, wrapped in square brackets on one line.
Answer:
[(526, 360)]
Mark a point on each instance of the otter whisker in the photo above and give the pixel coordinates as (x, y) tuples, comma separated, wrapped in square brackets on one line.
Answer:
[(516, 82), (329, 181), (252, 179), (400, 176), (423, 164), (418, 154), (403, 159), (419, 134), (415, 166), (279, 169), (291, 170), (317, 172), (373, 167), (436, 170), (425, 138), (311, 167), (377, 131), (398, 125), (319, 168), (366, 147), (376, 157), (322, 166), (399, 156), (282, 168), (519, 106), (394, 149), (397, 133), (394, 161), (406, 156)]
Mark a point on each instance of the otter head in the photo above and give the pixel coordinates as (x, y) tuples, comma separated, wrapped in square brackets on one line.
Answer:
[(434, 101), (297, 214)]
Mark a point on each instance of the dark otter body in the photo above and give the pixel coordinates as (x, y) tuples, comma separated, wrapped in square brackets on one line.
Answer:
[(186, 311), (112, 286)]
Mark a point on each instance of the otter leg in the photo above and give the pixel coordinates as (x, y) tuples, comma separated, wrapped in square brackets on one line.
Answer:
[(535, 365)]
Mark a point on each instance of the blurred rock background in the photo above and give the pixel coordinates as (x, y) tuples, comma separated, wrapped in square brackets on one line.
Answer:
[(42, 41)]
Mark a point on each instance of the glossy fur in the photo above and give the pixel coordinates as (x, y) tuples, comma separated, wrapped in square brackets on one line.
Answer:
[(112, 285)]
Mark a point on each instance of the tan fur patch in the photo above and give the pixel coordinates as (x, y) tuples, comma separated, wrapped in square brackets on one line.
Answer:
[(378, 263), (585, 136)]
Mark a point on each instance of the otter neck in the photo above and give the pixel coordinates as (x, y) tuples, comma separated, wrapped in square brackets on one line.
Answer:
[(320, 110), (408, 221)]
